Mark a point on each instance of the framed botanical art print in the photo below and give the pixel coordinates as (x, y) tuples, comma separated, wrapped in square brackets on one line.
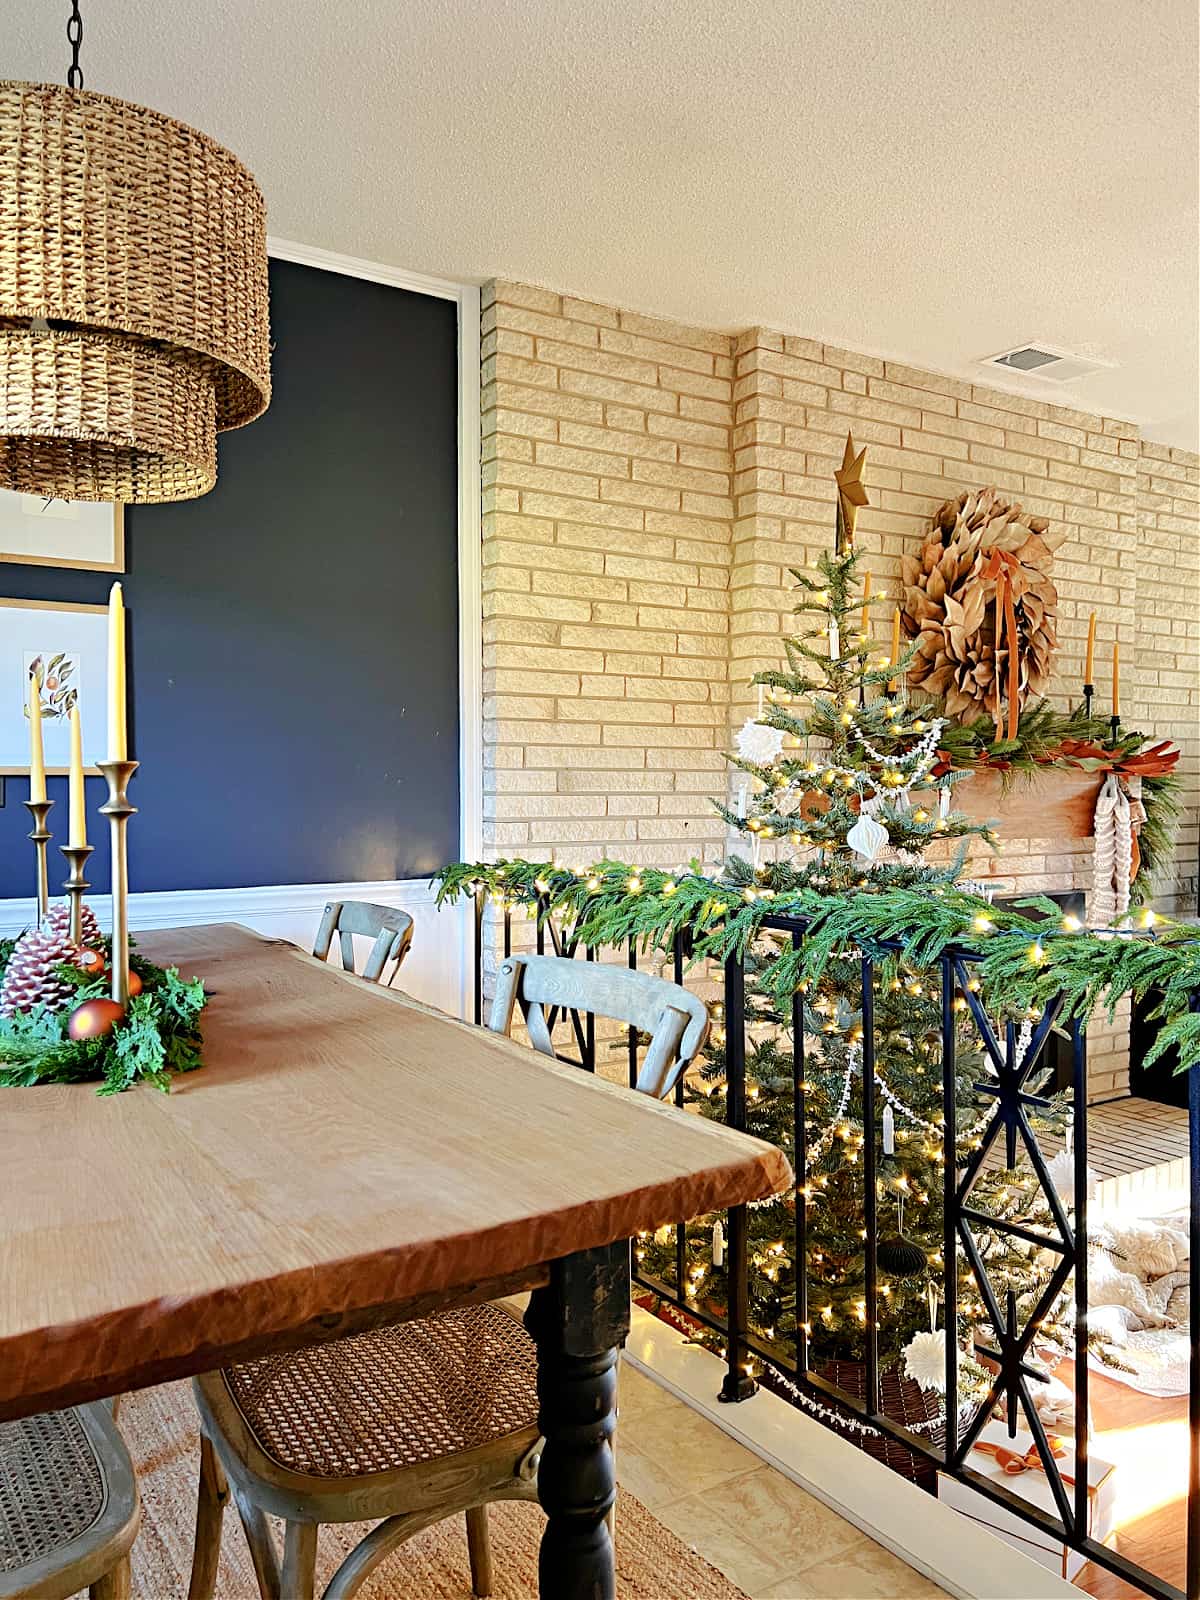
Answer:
[(38, 530), (67, 646)]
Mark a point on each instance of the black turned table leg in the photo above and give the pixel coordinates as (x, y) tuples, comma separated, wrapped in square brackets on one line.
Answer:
[(579, 1322)]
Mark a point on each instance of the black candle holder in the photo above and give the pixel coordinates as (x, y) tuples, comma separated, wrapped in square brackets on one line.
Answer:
[(1089, 689)]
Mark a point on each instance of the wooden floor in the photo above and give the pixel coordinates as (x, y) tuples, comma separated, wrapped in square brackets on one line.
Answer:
[(1146, 1439)]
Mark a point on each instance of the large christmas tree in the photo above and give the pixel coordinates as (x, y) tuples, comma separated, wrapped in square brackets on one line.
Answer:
[(841, 789)]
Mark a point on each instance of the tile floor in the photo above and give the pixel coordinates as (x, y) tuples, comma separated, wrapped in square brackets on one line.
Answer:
[(763, 1531)]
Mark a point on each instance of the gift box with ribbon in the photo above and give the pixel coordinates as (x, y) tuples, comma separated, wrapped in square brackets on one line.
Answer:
[(1014, 1464)]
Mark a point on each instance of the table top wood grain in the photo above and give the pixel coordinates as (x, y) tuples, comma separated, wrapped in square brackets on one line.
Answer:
[(344, 1156)]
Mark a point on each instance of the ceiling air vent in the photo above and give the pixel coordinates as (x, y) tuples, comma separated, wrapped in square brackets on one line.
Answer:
[(1041, 360)]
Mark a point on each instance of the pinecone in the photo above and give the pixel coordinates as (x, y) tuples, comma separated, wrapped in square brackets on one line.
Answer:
[(949, 606), (30, 979), (59, 921)]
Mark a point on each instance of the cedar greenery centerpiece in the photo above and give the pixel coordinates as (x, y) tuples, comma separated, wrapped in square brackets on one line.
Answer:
[(158, 1036)]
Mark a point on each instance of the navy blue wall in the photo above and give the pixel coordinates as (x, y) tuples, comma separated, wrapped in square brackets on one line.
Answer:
[(294, 634)]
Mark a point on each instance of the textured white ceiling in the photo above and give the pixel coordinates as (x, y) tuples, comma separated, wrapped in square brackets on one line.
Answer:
[(929, 179)]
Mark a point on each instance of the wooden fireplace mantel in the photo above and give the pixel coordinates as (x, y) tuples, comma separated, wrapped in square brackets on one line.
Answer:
[(1053, 804)]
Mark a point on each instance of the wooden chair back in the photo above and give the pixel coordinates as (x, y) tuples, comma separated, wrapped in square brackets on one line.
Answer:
[(676, 1021), (392, 931)]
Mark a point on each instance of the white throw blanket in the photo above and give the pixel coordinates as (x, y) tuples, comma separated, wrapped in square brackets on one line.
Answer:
[(1138, 1296)]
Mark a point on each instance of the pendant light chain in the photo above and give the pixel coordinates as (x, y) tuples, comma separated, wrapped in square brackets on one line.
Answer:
[(75, 39)]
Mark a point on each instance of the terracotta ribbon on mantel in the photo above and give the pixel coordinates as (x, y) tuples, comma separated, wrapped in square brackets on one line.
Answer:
[(1002, 568), (1014, 1462)]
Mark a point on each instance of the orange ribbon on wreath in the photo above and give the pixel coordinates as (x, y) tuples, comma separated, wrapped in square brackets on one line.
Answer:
[(1002, 568)]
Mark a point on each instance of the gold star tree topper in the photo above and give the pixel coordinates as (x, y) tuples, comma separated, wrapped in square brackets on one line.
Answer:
[(851, 493)]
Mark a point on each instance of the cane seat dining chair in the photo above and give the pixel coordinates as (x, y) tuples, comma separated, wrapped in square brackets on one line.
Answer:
[(392, 931), (69, 1507), (420, 1421)]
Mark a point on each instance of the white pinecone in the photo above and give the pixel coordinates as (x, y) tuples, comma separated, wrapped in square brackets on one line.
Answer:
[(30, 978), (59, 922)]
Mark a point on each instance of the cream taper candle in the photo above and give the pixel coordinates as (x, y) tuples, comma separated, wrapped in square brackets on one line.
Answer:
[(37, 757), (77, 830), (117, 734)]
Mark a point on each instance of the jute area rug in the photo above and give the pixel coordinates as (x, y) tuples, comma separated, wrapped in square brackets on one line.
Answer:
[(160, 1429)]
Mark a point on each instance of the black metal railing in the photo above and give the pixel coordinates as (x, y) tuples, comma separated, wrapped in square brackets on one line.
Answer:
[(1014, 1068)]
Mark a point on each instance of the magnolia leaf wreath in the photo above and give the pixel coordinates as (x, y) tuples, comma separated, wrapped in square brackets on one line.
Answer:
[(981, 606), (158, 1036)]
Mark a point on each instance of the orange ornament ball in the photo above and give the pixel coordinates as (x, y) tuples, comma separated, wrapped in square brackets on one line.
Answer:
[(90, 961), (94, 1018), (135, 983)]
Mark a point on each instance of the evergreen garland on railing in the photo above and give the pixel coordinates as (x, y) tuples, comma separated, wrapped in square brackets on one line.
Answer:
[(1022, 962)]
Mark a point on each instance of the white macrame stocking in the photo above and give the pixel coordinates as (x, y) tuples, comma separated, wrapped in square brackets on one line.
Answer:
[(1113, 859)]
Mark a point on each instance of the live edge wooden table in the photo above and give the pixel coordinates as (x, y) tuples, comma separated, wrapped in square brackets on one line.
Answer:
[(346, 1158)]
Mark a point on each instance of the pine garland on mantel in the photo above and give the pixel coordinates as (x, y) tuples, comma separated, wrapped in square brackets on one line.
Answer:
[(1023, 962)]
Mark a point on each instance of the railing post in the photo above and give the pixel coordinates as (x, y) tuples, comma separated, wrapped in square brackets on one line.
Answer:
[(633, 1033), (680, 1227), (738, 1384), (950, 1205), (870, 1196), (1079, 1124), (800, 1152), (1193, 1499)]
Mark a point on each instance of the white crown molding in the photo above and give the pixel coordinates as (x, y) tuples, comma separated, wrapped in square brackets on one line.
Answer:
[(310, 255)]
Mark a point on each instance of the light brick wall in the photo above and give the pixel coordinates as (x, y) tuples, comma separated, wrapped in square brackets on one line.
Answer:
[(647, 487), (1166, 651), (606, 550)]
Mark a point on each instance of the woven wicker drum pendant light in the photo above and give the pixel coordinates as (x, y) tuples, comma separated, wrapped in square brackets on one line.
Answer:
[(133, 296)]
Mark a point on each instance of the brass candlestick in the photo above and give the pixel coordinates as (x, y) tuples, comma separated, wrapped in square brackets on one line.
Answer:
[(118, 811), (76, 886), (39, 810)]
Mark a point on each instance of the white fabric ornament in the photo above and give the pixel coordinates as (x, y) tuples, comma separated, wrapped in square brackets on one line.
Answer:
[(925, 1360), (758, 743), (867, 837), (1062, 1176)]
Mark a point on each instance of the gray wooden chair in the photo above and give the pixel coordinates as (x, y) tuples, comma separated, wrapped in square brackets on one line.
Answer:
[(69, 1507), (391, 930), (423, 1420)]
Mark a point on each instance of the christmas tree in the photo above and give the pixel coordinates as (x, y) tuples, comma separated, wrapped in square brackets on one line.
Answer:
[(842, 789)]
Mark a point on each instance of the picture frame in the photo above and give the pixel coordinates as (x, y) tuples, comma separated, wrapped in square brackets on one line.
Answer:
[(70, 644), (41, 531)]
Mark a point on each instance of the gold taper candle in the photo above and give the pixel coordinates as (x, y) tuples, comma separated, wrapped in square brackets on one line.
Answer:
[(77, 826), (37, 755), (117, 736), (866, 627), (895, 644), (1091, 650), (1116, 692)]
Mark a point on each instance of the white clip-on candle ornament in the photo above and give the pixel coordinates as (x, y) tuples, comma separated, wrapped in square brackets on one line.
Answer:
[(718, 1244)]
